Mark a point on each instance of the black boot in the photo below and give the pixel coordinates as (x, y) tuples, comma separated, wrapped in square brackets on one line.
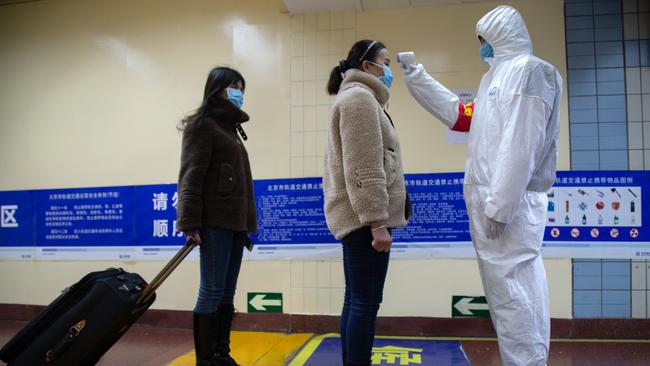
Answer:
[(224, 324), (205, 339)]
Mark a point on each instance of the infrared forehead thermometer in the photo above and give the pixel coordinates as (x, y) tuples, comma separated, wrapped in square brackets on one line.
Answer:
[(406, 58)]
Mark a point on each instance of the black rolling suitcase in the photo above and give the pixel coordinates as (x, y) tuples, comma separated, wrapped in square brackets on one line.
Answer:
[(84, 322)]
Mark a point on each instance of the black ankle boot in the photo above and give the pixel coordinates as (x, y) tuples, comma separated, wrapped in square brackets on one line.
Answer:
[(205, 339), (224, 324)]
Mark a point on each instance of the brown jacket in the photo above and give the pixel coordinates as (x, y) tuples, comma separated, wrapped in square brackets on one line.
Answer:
[(363, 180), (215, 186)]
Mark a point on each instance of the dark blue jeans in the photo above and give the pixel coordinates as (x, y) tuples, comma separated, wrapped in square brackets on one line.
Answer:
[(365, 272), (221, 255)]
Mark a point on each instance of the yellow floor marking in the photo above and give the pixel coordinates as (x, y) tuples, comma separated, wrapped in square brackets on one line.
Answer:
[(257, 348), (285, 350), (309, 349)]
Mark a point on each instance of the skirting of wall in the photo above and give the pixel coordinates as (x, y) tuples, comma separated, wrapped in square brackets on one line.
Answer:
[(397, 326)]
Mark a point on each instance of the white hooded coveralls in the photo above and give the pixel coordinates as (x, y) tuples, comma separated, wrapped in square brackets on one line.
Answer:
[(513, 133)]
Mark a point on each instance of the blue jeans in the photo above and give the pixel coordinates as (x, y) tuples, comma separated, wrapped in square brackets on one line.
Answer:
[(365, 272), (221, 255)]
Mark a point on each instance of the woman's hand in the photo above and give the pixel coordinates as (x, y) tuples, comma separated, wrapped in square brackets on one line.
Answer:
[(381, 239), (194, 236)]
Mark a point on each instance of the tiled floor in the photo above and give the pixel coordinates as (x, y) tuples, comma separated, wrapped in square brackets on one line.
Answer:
[(149, 346)]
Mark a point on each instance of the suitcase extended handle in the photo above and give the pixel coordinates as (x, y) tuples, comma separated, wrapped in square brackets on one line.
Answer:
[(166, 271)]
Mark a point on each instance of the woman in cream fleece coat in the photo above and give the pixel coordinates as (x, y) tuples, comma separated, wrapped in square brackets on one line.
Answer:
[(363, 183)]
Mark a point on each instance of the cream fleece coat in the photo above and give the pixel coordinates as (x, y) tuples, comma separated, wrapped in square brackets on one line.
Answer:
[(363, 179)]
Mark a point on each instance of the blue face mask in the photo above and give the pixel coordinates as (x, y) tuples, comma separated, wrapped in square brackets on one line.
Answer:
[(235, 96), (486, 51), (387, 78)]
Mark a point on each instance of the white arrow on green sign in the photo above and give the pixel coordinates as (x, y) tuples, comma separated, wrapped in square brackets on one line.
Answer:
[(264, 302), (469, 306)]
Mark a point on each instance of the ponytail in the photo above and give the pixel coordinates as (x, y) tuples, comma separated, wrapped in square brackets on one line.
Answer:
[(336, 77)]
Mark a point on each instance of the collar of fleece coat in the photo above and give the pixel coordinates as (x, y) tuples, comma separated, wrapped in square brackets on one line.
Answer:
[(504, 29), (369, 81), (226, 112)]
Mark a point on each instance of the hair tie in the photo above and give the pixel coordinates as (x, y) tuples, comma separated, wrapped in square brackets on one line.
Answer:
[(343, 65)]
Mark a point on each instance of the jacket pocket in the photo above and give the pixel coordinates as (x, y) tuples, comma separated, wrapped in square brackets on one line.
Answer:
[(226, 181), (390, 166), (366, 177), (533, 208)]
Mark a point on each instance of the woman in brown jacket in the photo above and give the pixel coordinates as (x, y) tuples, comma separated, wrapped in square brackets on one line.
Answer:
[(216, 207)]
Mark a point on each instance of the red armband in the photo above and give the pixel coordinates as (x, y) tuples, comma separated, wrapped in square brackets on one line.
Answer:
[(465, 112)]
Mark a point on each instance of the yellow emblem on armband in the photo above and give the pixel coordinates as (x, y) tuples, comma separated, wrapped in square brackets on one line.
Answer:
[(469, 109)]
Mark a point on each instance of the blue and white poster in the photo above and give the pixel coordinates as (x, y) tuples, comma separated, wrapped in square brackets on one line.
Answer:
[(291, 221), (591, 214), (156, 236), (16, 225), (71, 222), (598, 215)]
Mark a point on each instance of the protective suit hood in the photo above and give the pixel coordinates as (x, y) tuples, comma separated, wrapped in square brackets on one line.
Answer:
[(505, 30)]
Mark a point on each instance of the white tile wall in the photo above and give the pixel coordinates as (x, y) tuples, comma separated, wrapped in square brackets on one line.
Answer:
[(317, 287), (309, 71), (297, 166), (644, 5), (631, 26), (337, 276), (646, 159), (633, 80), (309, 275), (644, 23), (336, 20), (645, 101), (645, 80), (309, 44), (639, 304), (312, 168), (646, 135), (336, 300), (639, 276), (297, 119), (310, 300), (297, 144), (309, 116), (636, 159), (297, 301), (323, 274), (318, 43), (323, 301), (309, 98), (629, 6), (296, 274), (635, 135), (309, 22), (296, 93), (634, 109), (323, 21)]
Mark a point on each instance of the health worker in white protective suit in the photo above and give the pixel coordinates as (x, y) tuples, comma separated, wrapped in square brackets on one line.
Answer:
[(512, 147)]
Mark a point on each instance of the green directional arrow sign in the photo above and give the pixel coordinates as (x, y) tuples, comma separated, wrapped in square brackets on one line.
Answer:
[(264, 302), (469, 306)]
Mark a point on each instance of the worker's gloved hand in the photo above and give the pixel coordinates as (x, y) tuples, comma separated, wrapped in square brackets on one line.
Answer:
[(493, 229), (406, 60)]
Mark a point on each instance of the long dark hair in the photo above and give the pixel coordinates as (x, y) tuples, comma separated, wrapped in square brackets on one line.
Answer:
[(362, 50), (219, 79)]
